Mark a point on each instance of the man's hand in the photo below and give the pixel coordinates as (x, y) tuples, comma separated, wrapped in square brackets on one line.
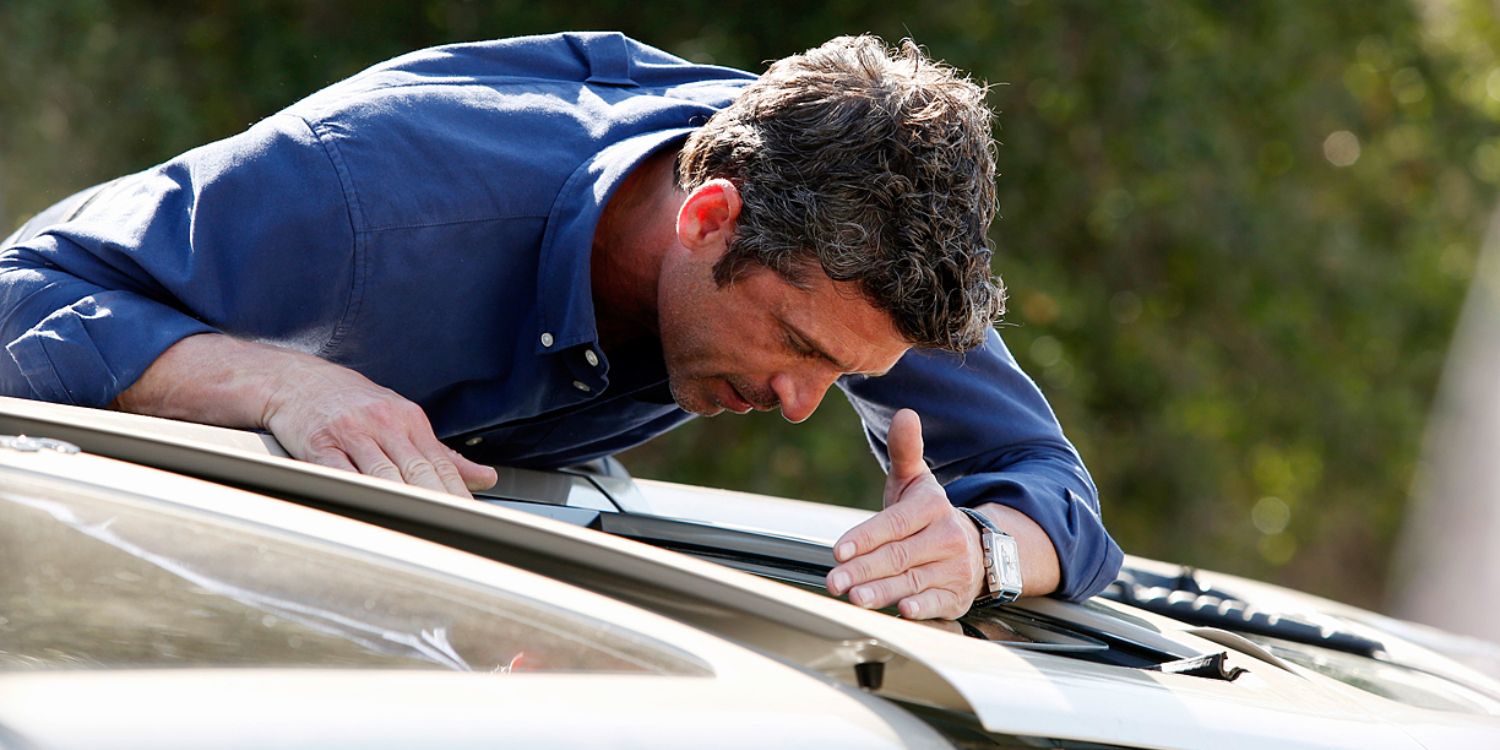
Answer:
[(319, 411), (334, 416), (920, 552)]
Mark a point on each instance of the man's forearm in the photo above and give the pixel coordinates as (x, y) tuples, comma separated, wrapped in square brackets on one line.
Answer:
[(211, 378), (320, 411), (1040, 573)]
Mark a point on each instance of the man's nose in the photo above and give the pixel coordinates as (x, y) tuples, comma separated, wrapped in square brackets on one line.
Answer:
[(800, 396)]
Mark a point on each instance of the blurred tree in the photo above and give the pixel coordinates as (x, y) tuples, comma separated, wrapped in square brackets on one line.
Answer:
[(1236, 234)]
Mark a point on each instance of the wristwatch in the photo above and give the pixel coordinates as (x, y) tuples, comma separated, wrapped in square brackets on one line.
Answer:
[(1002, 561)]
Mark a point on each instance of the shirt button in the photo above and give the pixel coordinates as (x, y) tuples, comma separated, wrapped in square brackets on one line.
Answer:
[(546, 339), (473, 441), (591, 357), (582, 386)]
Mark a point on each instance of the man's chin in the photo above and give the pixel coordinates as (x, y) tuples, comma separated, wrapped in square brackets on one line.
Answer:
[(695, 403), (701, 411)]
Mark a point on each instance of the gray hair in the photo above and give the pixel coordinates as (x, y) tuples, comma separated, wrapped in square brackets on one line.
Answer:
[(875, 165)]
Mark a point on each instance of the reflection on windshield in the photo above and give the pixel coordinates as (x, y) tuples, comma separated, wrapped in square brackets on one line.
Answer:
[(93, 581), (427, 645)]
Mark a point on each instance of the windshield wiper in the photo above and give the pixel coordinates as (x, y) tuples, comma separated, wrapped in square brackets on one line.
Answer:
[(1182, 597)]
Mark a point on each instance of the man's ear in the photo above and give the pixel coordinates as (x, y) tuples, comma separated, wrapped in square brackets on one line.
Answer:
[(708, 215)]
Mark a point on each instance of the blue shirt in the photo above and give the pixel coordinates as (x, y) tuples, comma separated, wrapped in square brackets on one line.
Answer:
[(428, 223)]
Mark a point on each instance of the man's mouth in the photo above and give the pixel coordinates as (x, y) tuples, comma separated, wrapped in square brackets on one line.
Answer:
[(740, 404), (736, 402)]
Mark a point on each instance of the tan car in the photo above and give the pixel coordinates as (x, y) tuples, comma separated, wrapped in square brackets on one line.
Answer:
[(170, 585)]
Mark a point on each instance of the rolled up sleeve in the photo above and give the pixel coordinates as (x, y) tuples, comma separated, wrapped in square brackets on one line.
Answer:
[(251, 236), (991, 437)]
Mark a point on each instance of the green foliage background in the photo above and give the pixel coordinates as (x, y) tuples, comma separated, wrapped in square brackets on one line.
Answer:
[(1237, 235)]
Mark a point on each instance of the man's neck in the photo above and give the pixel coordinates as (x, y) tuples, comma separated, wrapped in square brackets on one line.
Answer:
[(638, 225)]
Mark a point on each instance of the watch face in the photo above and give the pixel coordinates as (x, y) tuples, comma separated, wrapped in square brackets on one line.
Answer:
[(1002, 561), (1008, 562), (1010, 566)]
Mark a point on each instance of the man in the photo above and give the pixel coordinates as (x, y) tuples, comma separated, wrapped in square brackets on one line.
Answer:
[(539, 251)]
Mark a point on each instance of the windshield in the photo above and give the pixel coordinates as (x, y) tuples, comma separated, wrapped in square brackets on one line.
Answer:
[(105, 580), (1394, 681)]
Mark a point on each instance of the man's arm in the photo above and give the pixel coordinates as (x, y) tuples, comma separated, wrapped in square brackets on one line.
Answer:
[(250, 236), (319, 411), (126, 303), (992, 444)]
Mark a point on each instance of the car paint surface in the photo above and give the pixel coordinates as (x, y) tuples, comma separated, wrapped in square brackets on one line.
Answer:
[(364, 708), (1006, 690)]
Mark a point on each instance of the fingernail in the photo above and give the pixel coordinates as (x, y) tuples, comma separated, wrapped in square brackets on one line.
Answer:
[(859, 597), (913, 610), (845, 551), (840, 582)]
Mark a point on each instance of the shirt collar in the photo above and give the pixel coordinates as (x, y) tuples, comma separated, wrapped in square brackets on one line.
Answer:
[(565, 302)]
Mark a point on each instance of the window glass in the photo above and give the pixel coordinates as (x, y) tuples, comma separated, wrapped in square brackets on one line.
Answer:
[(102, 580), (1393, 681)]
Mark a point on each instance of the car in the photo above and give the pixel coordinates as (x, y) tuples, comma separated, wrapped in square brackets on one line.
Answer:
[(178, 585)]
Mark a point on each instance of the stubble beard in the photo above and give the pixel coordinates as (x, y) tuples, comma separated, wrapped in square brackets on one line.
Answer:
[(691, 401)]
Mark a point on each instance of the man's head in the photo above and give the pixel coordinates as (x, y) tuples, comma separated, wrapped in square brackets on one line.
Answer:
[(868, 164), (836, 215)]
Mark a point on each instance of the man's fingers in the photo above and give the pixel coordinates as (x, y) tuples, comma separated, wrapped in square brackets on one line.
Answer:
[(891, 559), (887, 591), (369, 459), (898, 521), (396, 460), (456, 474), (453, 481), (401, 460), (476, 476), (438, 458), (882, 528), (333, 458), (904, 444), (418, 470), (933, 604)]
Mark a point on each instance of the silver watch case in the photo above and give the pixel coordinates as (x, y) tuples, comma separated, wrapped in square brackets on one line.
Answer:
[(1002, 561)]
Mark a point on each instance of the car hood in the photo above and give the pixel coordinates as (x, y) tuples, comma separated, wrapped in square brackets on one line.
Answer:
[(1005, 690)]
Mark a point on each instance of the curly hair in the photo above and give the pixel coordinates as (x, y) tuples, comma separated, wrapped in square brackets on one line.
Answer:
[(875, 165)]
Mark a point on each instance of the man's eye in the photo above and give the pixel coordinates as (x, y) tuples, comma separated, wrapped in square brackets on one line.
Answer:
[(799, 348)]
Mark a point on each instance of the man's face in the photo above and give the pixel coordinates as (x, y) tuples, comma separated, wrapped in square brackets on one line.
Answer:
[(760, 342)]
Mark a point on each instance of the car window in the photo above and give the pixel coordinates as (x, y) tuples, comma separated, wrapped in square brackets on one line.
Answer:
[(93, 579), (1394, 681)]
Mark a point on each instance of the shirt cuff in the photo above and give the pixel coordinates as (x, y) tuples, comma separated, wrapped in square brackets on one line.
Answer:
[(87, 353)]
